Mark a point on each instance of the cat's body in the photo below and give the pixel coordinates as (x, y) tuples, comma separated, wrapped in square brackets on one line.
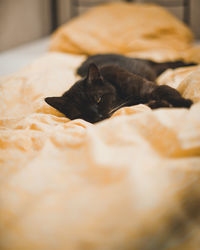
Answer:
[(113, 81), (145, 68)]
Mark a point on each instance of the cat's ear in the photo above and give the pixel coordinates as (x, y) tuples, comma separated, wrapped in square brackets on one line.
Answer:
[(93, 74), (55, 102)]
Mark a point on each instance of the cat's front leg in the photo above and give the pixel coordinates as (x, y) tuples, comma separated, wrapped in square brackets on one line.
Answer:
[(170, 95)]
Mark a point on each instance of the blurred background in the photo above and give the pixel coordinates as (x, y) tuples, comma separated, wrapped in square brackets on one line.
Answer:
[(30, 22), (22, 21)]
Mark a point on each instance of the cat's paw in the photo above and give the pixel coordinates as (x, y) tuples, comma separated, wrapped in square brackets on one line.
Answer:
[(188, 103), (182, 103), (154, 104)]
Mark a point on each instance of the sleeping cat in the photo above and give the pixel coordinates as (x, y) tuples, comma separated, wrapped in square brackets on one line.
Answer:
[(113, 81)]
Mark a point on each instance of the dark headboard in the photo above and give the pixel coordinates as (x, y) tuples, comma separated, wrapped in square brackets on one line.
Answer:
[(75, 6)]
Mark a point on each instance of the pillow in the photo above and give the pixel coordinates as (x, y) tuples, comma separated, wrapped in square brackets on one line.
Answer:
[(124, 28)]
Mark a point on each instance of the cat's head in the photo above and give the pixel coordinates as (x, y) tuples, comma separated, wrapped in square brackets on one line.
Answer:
[(91, 98)]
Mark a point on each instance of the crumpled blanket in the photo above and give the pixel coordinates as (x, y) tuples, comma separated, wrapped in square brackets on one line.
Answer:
[(125, 28), (129, 182)]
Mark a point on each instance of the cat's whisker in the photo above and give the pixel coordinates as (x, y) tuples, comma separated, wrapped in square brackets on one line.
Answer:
[(118, 107)]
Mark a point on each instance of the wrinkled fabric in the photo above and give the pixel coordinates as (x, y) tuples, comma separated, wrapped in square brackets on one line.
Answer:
[(125, 28), (129, 182)]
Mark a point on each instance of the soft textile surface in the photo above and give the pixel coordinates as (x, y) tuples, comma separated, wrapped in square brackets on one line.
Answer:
[(129, 182), (192, 54), (125, 28)]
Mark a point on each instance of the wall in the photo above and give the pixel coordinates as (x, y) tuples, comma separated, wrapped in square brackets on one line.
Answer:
[(22, 21), (195, 17)]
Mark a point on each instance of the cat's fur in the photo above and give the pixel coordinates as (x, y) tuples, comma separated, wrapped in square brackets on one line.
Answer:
[(145, 68), (113, 81)]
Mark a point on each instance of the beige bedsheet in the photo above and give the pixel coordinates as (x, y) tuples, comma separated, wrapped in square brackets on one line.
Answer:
[(129, 182)]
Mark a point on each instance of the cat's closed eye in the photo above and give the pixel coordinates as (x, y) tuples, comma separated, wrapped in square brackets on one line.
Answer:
[(98, 99)]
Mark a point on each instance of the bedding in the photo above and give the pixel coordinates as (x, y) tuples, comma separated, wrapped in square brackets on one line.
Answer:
[(130, 29), (129, 182), (124, 28)]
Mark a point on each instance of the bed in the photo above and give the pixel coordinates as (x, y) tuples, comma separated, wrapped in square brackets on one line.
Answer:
[(129, 182)]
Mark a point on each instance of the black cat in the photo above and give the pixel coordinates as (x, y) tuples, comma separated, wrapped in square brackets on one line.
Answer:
[(112, 81)]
